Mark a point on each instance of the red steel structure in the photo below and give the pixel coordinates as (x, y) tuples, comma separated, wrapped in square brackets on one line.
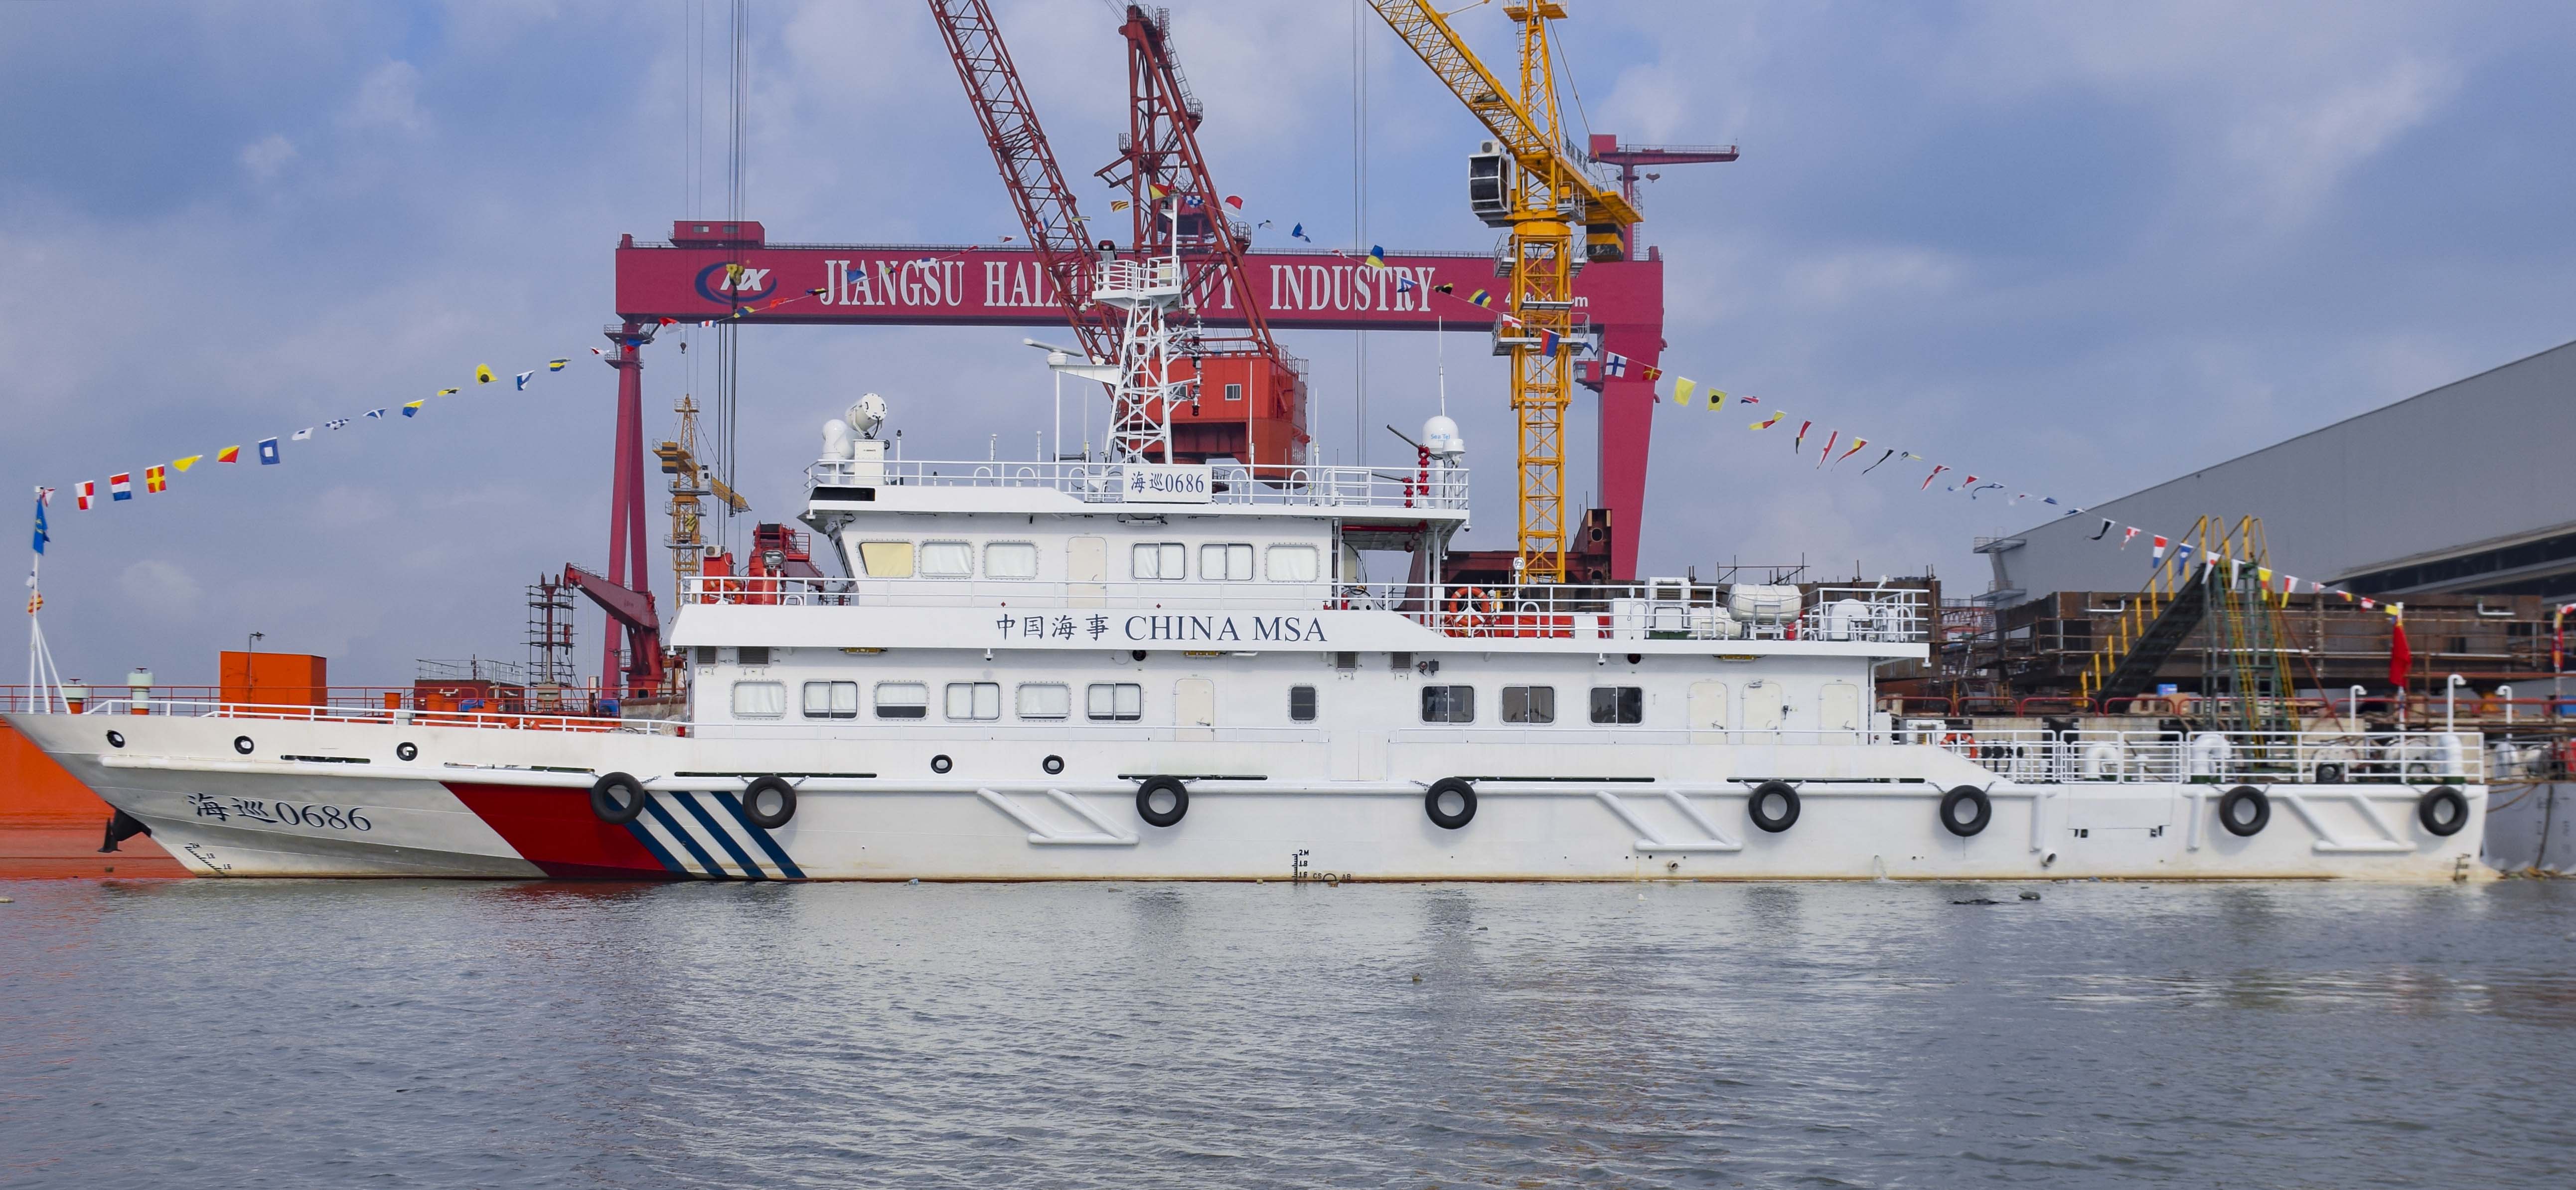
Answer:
[(717, 270)]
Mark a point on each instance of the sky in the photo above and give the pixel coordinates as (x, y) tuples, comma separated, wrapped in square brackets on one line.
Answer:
[(2080, 248)]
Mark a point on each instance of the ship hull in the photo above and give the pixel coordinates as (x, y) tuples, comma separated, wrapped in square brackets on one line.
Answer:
[(339, 799)]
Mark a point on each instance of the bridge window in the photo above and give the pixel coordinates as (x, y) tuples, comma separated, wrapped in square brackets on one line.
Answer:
[(1234, 392), (1301, 704), (947, 559), (1292, 563), (1225, 563), (886, 559), (1011, 560), (831, 700), (1163, 561), (1045, 701), (1618, 704), (1114, 702), (1529, 704), (752, 655), (759, 700), (974, 700), (1448, 704), (903, 700)]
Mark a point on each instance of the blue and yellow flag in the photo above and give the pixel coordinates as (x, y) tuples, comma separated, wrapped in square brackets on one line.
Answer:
[(1377, 256)]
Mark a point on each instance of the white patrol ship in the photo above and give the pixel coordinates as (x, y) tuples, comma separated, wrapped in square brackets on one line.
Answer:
[(1135, 669)]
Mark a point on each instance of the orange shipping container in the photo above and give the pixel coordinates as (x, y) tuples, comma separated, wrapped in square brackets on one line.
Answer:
[(275, 679)]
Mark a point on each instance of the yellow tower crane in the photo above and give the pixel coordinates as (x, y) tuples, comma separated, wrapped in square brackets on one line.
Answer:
[(1530, 181)]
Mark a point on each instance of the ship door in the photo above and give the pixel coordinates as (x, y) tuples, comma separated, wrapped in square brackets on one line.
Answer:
[(1838, 707), (1766, 705), (1086, 567), (1194, 708), (1708, 712)]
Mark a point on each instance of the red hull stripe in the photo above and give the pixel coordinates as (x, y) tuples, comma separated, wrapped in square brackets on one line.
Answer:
[(555, 830)]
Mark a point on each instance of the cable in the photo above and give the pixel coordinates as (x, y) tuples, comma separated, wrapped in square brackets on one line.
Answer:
[(1359, 221)]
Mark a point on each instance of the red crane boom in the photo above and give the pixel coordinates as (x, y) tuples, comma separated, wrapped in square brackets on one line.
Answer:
[(1046, 204)]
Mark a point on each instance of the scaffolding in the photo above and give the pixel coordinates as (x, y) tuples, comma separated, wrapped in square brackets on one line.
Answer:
[(550, 668), (691, 484)]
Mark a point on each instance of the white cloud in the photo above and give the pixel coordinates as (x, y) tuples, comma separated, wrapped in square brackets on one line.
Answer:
[(160, 590), (265, 156), (388, 98), (2299, 148), (1861, 274)]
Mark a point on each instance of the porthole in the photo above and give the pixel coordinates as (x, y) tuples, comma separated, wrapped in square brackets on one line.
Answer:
[(1136, 654), (1053, 765), (242, 744), (406, 751), (941, 763), (116, 739)]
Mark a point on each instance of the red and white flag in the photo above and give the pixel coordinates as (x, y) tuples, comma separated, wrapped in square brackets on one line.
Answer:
[(2128, 533), (87, 491), (2161, 543)]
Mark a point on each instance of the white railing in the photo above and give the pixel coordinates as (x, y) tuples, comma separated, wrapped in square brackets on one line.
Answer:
[(1275, 485), (1653, 610), (1130, 279), (2221, 757)]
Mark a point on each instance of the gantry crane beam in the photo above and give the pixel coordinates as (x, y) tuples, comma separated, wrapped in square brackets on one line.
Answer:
[(1541, 199)]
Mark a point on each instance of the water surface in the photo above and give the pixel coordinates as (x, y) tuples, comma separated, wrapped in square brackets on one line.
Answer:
[(290, 1034)]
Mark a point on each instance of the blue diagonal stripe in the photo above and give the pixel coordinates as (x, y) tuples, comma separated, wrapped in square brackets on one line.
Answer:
[(760, 835), (635, 827), (705, 861), (724, 838)]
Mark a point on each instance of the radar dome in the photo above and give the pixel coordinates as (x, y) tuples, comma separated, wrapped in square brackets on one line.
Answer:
[(1441, 435), (867, 414), (836, 439)]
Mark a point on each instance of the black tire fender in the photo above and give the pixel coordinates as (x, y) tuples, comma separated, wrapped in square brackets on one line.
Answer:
[(1150, 786), (2443, 810), (1966, 795), (1445, 786), (1762, 795), (606, 807), (2249, 825), (771, 787)]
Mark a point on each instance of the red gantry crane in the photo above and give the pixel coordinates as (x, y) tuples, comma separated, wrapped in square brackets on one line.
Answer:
[(728, 269)]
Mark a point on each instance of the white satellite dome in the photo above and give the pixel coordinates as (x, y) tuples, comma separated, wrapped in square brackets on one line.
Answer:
[(836, 439), (1440, 434), (867, 414)]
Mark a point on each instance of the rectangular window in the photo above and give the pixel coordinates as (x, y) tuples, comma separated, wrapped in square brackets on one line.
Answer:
[(706, 654), (1618, 704), (903, 700), (1529, 704), (886, 559), (1011, 560), (974, 700), (1292, 563), (1047, 701), (752, 654), (1159, 561), (1234, 392), (1448, 704), (1301, 704), (1346, 661), (947, 559), (1114, 702), (831, 700), (759, 700), (1225, 563)]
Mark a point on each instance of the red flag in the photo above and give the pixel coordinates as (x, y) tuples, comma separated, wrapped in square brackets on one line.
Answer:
[(2400, 658)]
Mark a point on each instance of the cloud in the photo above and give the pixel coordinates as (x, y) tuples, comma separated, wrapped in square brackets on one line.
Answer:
[(265, 156), (160, 590), (2299, 149), (388, 98), (1863, 274)]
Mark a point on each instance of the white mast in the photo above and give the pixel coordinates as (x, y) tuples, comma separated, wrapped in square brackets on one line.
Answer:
[(1140, 408)]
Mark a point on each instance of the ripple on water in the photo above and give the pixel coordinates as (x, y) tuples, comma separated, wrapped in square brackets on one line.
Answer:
[(326, 1034)]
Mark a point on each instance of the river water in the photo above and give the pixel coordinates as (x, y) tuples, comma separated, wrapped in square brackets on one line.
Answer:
[(292, 1034)]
